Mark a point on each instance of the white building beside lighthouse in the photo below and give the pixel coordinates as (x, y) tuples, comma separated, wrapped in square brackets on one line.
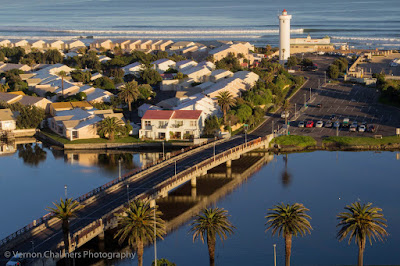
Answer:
[(284, 36)]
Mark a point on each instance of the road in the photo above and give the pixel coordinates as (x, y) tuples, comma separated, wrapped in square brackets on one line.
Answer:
[(50, 237)]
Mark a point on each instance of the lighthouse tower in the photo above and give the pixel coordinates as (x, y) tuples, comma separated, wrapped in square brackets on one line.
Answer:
[(284, 36)]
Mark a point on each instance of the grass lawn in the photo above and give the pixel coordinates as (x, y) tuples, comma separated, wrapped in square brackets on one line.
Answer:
[(293, 140), (84, 141), (361, 140)]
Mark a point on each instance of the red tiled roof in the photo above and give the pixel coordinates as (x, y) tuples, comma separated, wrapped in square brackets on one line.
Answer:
[(177, 114), (186, 114)]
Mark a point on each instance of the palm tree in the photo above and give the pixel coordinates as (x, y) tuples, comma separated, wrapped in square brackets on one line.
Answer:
[(225, 101), (129, 93), (210, 223), (137, 225), (286, 176), (62, 74), (109, 126), (361, 222), (64, 211), (286, 107), (288, 220)]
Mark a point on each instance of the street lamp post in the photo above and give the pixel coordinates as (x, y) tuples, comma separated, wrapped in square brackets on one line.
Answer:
[(163, 150), (127, 191), (214, 150), (245, 134), (119, 168), (66, 191), (155, 235), (175, 168), (295, 111), (325, 77), (274, 254), (305, 100)]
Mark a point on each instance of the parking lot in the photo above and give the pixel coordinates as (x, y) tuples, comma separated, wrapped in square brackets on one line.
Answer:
[(356, 102)]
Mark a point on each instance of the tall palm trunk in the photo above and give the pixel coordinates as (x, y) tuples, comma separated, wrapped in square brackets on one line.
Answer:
[(140, 253), (111, 136), (224, 110), (211, 250), (361, 248), (62, 86), (65, 228), (288, 248), (130, 106)]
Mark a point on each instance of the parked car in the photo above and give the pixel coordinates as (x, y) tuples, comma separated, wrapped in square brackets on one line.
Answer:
[(328, 123), (333, 117), (285, 114), (354, 123), (301, 124), (310, 123), (361, 128), (336, 124), (353, 128), (345, 122), (319, 124), (371, 128), (16, 260)]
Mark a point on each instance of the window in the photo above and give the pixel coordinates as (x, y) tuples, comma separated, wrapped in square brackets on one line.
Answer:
[(192, 123), (179, 123), (162, 124), (147, 123)]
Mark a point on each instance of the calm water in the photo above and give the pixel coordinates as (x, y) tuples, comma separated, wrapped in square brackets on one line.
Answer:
[(363, 23), (324, 182), (32, 178)]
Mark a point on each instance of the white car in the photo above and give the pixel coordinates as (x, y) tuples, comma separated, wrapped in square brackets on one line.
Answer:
[(319, 124), (362, 128), (285, 114)]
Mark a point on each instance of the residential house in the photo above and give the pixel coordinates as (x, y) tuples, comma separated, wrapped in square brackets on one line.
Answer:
[(201, 102), (71, 54), (5, 43), (145, 107), (74, 44), (8, 120), (166, 125), (105, 44), (145, 45), (134, 45), (97, 95), (75, 124), (39, 102), (198, 74), (123, 44), (249, 78), (218, 74), (155, 45), (236, 49), (64, 106), (103, 58), (133, 68), (164, 45), (185, 64), (6, 67), (57, 44), (207, 64), (162, 65), (96, 76), (20, 43), (235, 86), (39, 44), (181, 45)]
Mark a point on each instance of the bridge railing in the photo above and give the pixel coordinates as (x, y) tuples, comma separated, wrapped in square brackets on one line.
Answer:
[(199, 166), (97, 190)]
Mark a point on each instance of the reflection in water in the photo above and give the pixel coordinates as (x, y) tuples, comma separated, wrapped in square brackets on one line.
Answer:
[(31, 154), (286, 176), (110, 162), (181, 204), (7, 148)]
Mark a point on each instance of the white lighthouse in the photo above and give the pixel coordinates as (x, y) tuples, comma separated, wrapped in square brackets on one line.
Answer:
[(284, 36)]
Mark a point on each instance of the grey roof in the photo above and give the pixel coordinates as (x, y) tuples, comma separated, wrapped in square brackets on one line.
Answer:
[(88, 122), (5, 97), (30, 100), (73, 114)]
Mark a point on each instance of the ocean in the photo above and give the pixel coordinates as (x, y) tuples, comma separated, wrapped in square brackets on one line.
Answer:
[(360, 23)]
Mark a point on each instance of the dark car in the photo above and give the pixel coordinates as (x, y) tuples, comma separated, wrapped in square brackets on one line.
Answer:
[(371, 128)]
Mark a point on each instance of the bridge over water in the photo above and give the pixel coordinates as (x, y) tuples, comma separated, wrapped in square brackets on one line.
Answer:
[(100, 205)]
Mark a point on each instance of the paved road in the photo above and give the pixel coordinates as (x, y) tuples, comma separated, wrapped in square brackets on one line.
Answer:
[(52, 236)]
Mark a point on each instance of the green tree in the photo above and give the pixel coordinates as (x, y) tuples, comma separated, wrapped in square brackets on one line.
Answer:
[(288, 220), (292, 61), (81, 76), (150, 76), (243, 112), (211, 125), (333, 71), (104, 83), (64, 211), (145, 91), (80, 96), (129, 93), (53, 56), (63, 75), (225, 101), (137, 225), (210, 224), (4, 87), (361, 222), (163, 262), (110, 126)]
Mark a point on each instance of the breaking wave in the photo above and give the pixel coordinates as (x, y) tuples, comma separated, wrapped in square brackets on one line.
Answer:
[(387, 39)]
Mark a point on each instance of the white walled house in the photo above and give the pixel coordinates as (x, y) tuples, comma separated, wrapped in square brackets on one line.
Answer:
[(201, 102), (185, 64), (162, 65), (198, 74), (133, 68), (39, 44), (59, 45), (219, 74), (166, 125), (74, 44), (20, 43), (5, 43), (7, 120)]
